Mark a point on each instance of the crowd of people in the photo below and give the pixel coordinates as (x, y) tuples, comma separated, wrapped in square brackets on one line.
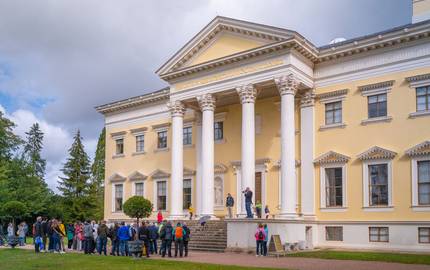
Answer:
[(91, 237)]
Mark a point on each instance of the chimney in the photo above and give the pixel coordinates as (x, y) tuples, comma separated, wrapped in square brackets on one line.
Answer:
[(421, 10)]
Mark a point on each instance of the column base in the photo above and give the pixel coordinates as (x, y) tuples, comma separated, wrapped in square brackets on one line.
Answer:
[(293, 216), (309, 217)]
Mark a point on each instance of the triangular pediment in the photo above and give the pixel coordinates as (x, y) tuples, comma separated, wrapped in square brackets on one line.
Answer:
[(223, 37), (330, 158), (159, 174), (136, 175), (422, 149), (377, 152), (116, 177)]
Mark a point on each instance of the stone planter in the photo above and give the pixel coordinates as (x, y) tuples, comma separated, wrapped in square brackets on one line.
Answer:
[(135, 248)]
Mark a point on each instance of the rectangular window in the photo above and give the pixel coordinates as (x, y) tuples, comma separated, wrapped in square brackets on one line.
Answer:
[(162, 139), (138, 188), (119, 150), (423, 182), (378, 184), (378, 234), (333, 187), (140, 142), (424, 235), (377, 105), (423, 98), (334, 233), (218, 131), (188, 135), (161, 195), (187, 193), (333, 112), (118, 197)]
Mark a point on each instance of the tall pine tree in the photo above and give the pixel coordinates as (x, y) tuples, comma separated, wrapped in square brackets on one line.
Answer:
[(98, 174), (75, 186), (33, 149)]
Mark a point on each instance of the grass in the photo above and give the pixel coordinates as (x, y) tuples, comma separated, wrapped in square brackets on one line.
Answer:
[(366, 256), (12, 259)]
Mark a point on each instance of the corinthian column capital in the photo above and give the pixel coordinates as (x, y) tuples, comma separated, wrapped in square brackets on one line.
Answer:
[(308, 98), (176, 108), (206, 102), (287, 85), (247, 93)]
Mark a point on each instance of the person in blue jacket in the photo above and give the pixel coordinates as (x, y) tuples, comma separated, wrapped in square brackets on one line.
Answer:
[(124, 236)]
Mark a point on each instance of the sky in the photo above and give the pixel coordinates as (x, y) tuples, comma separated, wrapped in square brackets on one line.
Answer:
[(60, 59)]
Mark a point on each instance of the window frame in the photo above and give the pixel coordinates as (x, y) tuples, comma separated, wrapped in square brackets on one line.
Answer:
[(165, 138), (323, 198), (426, 95), (215, 130), (187, 135), (334, 227), (137, 136), (116, 146), (415, 196), (365, 182), (114, 198), (333, 112), (419, 235), (190, 193), (135, 183), (379, 228), (156, 195), (378, 104)]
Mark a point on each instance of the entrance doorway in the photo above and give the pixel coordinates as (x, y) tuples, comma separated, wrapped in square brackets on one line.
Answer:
[(258, 188)]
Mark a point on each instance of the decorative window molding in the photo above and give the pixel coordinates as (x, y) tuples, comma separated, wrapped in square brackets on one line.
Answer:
[(116, 177), (377, 153), (422, 149), (155, 194), (373, 120), (118, 135), (188, 172), (134, 189), (419, 114), (332, 96), (366, 192), (323, 181), (220, 117), (161, 127), (138, 131), (418, 80), (220, 168), (189, 122), (336, 125), (114, 197), (416, 206), (219, 194), (376, 88), (158, 174), (137, 176), (331, 157)]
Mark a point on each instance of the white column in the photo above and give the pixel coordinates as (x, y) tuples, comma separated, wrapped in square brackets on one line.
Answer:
[(177, 111), (287, 87), (247, 96), (207, 105), (307, 142), (199, 185)]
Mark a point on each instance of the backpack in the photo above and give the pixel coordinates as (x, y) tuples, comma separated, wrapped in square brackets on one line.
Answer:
[(179, 234), (260, 235), (187, 234), (168, 232)]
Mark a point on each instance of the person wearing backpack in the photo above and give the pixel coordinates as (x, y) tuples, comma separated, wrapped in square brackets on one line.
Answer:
[(143, 235), (266, 238), (260, 235), (166, 237), (186, 238), (153, 236), (179, 240)]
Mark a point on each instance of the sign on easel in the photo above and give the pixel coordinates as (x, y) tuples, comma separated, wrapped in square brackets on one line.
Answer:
[(275, 244)]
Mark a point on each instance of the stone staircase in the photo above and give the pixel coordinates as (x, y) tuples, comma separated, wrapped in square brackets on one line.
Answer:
[(212, 238)]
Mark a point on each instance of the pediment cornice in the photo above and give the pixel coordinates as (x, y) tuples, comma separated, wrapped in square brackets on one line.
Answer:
[(331, 157), (136, 176), (116, 177), (419, 150), (377, 152), (159, 174)]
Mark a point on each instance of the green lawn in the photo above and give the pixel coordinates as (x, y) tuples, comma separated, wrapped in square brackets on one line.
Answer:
[(22, 259), (366, 256)]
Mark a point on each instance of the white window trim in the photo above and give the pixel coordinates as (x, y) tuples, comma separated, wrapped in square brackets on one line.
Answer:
[(192, 191), (220, 207), (365, 180), (323, 203), (115, 138), (187, 125), (414, 86), (415, 206), (155, 194), (133, 187), (324, 101), (113, 196), (167, 144), (135, 142)]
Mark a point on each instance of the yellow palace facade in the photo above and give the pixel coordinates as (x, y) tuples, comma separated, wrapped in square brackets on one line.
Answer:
[(335, 140)]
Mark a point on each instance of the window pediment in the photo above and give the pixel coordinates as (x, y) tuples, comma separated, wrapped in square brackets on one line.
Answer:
[(157, 174), (377, 152), (220, 168), (422, 149), (116, 177), (189, 172), (136, 175), (330, 158)]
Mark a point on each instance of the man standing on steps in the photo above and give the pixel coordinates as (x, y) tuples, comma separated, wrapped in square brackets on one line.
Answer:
[(248, 202), (229, 203)]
